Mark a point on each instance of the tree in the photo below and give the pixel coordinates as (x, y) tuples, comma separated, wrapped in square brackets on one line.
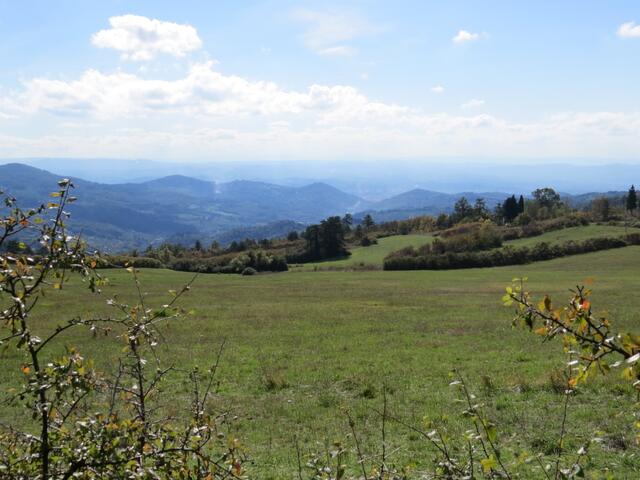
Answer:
[(510, 209), (215, 247), (312, 236), (521, 204), (198, 246), (443, 221), (632, 199), (462, 209), (480, 208), (546, 197), (368, 222), (91, 424), (347, 221), (600, 207), (332, 238), (293, 236)]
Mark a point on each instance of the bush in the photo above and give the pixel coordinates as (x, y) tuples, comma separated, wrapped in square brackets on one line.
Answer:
[(249, 271), (530, 228), (367, 242), (412, 260), (136, 262)]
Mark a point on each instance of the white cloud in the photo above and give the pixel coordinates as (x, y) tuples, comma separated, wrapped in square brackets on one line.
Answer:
[(437, 89), (203, 91), (328, 32), (338, 51), (629, 30), (207, 114), (141, 38), (473, 103), (464, 36)]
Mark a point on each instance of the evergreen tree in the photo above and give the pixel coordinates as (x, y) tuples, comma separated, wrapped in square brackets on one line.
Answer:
[(521, 205), (332, 237), (312, 236), (368, 222), (480, 209), (510, 208), (347, 221), (632, 199), (462, 209)]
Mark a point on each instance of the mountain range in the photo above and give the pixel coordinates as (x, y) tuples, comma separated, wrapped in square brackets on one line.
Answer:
[(116, 217)]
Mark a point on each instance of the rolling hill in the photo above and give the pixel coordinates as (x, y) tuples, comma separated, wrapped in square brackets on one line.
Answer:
[(133, 215), (116, 217)]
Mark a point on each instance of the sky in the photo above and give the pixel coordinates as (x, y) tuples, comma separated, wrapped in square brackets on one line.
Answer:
[(424, 80)]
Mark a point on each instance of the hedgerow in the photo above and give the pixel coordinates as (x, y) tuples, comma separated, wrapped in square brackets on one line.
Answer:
[(408, 259)]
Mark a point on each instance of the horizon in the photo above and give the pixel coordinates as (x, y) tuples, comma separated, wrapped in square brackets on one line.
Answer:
[(276, 81), (376, 184)]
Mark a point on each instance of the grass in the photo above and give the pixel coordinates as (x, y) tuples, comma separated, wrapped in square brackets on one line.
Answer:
[(372, 256), (304, 346), (574, 233)]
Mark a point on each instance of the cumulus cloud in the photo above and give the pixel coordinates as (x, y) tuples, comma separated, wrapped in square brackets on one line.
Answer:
[(328, 33), (210, 114), (463, 36), (141, 38), (629, 30), (437, 89), (473, 103), (203, 91)]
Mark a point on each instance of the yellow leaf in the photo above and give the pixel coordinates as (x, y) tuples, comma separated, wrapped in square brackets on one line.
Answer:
[(541, 331), (26, 370), (488, 464)]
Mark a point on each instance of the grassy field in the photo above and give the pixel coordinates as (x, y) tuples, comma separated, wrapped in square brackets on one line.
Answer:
[(574, 233), (303, 347), (370, 256), (373, 256)]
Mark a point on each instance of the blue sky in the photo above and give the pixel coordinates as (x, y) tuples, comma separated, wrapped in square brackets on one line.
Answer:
[(295, 80)]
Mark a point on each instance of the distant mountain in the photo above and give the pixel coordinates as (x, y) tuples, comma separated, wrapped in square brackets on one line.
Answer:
[(116, 217), (584, 199), (371, 179), (132, 215)]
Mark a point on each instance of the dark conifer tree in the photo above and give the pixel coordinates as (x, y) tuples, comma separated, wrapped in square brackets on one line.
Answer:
[(510, 208), (632, 199)]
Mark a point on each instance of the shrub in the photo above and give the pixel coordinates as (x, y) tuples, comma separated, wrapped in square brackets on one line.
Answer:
[(136, 262), (415, 260), (91, 424), (367, 242), (249, 271)]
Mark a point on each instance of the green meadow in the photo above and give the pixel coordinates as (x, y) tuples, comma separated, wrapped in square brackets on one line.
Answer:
[(372, 256), (574, 233), (304, 347)]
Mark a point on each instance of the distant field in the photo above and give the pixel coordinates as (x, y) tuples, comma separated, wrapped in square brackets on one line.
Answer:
[(574, 233), (373, 255), (333, 339)]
